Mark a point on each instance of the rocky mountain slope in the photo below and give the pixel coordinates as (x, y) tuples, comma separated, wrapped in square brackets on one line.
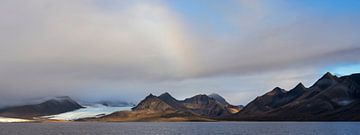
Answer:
[(199, 104), (167, 108), (330, 98), (153, 108), (231, 108), (50, 107)]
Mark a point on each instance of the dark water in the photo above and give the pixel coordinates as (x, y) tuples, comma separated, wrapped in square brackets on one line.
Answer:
[(182, 128)]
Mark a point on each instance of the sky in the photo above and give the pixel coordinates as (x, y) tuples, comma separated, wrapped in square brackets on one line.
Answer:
[(125, 50)]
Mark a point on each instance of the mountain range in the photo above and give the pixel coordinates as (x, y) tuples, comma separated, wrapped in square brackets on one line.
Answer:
[(167, 108), (331, 98)]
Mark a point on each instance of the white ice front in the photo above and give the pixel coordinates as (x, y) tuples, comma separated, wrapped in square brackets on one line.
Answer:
[(89, 111), (4, 119)]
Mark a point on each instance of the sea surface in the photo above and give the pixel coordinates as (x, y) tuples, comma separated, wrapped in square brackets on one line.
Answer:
[(182, 128)]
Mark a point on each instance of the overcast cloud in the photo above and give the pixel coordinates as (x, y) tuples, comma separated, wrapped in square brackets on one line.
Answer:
[(124, 50)]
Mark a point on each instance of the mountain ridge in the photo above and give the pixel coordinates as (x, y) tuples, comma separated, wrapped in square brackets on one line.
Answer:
[(329, 97), (49, 107)]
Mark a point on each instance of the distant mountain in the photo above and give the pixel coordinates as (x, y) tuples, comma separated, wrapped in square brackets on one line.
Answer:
[(219, 98), (205, 105), (153, 108), (199, 105), (49, 107), (153, 103), (330, 98), (170, 100), (167, 108), (114, 103), (231, 108), (273, 99)]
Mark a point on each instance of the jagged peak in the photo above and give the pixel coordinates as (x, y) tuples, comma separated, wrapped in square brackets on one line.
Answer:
[(300, 86), (150, 96), (328, 75), (152, 102), (275, 91), (278, 89), (326, 80), (166, 94)]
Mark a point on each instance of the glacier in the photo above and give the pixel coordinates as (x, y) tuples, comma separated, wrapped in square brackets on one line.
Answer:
[(95, 110), (6, 119)]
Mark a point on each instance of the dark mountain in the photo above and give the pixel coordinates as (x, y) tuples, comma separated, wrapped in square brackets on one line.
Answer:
[(330, 98), (219, 98), (205, 105), (153, 108), (153, 103), (50, 107), (325, 81), (231, 108), (167, 98), (265, 102), (167, 108), (199, 105), (290, 96)]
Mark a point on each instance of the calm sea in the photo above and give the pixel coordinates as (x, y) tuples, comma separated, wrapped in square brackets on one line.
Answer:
[(182, 128)]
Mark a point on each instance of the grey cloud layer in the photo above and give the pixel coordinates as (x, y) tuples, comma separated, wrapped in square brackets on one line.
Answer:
[(133, 48)]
